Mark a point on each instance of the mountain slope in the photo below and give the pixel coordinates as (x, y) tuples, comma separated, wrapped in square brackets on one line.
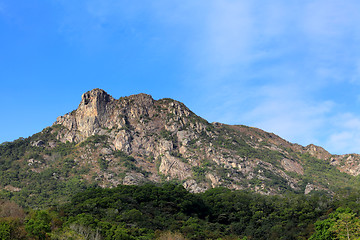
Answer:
[(137, 139)]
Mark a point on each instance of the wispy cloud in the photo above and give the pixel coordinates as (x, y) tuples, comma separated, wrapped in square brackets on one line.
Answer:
[(283, 110), (226, 42), (345, 134), (310, 32), (270, 64)]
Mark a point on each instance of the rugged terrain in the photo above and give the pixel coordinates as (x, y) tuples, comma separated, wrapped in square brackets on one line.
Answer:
[(137, 139)]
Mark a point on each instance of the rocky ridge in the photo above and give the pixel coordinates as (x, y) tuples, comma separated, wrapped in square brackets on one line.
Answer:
[(169, 142), (137, 139)]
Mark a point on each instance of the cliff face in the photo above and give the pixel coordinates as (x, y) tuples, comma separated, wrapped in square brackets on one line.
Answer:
[(92, 115)]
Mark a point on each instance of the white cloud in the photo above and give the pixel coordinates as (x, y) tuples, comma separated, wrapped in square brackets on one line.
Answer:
[(284, 111), (262, 63), (227, 38), (239, 34), (355, 78), (271, 64), (347, 121), (330, 18), (340, 141), (345, 137)]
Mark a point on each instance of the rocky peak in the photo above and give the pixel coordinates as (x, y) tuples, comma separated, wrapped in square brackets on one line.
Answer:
[(95, 101), (317, 151), (92, 114), (169, 141)]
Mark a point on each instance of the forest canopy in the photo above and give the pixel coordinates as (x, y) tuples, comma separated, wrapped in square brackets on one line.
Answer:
[(157, 212)]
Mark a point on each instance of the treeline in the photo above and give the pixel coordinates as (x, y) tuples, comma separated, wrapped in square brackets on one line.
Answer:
[(171, 212)]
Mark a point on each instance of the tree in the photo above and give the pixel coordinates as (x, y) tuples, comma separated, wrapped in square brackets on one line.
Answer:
[(118, 233), (5, 231), (347, 226), (39, 224), (341, 224)]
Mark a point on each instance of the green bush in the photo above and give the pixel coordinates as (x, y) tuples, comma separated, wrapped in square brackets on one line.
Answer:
[(5, 231), (39, 224)]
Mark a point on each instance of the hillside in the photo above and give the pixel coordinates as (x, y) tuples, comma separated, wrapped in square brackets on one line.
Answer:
[(136, 139)]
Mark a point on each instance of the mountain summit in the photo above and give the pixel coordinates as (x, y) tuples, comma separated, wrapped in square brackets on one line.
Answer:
[(169, 141), (137, 139)]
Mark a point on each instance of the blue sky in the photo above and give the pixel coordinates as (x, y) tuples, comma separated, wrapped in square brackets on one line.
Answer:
[(288, 67)]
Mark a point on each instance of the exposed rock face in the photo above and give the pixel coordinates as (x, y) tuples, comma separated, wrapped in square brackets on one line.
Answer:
[(92, 114), (168, 141), (292, 166), (348, 163), (133, 125), (38, 143), (317, 152)]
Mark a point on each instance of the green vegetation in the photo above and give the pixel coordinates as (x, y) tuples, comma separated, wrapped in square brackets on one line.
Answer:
[(232, 140), (199, 173), (323, 172), (166, 134), (341, 224), (95, 139), (153, 212), (103, 164), (22, 167), (38, 224), (129, 162)]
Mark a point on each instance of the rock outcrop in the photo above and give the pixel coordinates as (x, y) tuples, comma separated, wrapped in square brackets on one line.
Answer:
[(137, 139)]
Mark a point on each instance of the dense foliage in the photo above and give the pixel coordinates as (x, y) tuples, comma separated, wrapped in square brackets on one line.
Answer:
[(25, 178), (171, 212)]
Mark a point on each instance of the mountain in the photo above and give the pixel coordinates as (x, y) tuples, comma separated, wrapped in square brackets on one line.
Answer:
[(137, 139)]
